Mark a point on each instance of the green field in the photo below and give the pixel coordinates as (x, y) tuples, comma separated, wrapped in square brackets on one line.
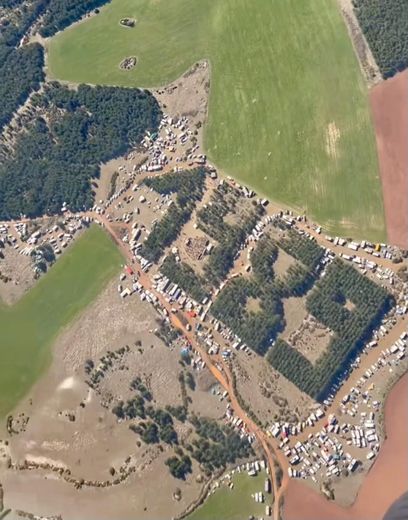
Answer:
[(28, 328), (236, 503), (285, 84)]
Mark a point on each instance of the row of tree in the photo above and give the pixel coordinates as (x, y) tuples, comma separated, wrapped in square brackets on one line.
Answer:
[(189, 188), (349, 304), (230, 237), (302, 248)]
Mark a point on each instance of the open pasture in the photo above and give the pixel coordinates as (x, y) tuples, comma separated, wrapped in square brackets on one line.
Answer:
[(29, 327), (288, 109), (236, 503)]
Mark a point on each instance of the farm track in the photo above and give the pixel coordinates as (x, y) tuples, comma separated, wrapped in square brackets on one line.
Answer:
[(221, 371)]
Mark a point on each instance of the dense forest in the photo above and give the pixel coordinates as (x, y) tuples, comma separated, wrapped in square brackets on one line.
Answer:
[(21, 69), (62, 13), (70, 134), (368, 302), (385, 26), (67, 133), (255, 328)]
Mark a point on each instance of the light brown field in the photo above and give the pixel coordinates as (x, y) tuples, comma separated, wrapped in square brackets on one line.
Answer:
[(94, 442), (385, 482), (389, 105)]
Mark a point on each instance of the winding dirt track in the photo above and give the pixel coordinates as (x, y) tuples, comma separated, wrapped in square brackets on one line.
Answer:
[(389, 105), (219, 371), (301, 502)]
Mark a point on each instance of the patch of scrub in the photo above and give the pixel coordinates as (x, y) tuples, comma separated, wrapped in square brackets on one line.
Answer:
[(128, 63)]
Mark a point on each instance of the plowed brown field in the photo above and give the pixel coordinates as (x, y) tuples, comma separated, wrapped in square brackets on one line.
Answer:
[(389, 105), (386, 481)]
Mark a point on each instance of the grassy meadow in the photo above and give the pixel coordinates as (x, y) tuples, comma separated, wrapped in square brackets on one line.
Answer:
[(29, 327), (288, 112), (236, 503)]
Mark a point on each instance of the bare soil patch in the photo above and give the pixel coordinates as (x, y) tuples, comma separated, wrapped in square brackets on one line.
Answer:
[(389, 105), (311, 339), (294, 312), (283, 262), (17, 270), (269, 395), (253, 305), (70, 426)]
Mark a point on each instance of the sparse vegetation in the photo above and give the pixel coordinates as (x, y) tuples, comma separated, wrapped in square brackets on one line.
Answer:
[(179, 467), (216, 445)]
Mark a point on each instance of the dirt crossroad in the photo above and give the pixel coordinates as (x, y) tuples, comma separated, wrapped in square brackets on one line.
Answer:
[(221, 371)]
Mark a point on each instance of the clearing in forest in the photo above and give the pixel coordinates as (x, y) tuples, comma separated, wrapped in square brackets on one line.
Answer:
[(28, 328), (281, 75)]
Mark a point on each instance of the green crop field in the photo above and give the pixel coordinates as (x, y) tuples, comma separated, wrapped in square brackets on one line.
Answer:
[(288, 112), (28, 328), (236, 503)]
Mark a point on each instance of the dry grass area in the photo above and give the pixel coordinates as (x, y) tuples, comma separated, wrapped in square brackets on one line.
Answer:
[(253, 305), (294, 312), (283, 262), (70, 426), (311, 338), (19, 272), (269, 395)]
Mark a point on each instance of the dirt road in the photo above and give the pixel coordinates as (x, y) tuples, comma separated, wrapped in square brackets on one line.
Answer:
[(223, 377), (221, 372)]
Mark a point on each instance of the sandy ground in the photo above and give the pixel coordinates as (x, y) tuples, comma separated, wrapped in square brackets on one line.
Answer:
[(94, 442), (386, 481), (389, 105)]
